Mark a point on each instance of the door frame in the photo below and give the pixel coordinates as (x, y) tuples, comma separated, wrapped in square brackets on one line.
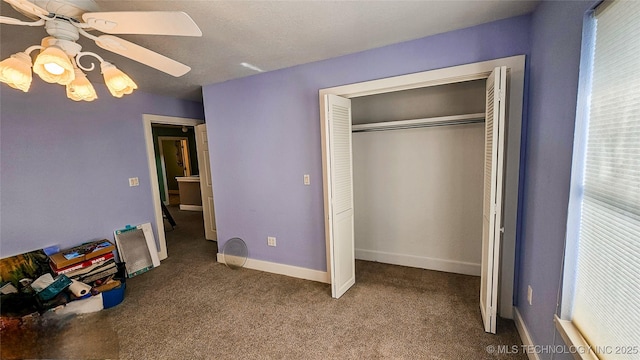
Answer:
[(449, 75), (147, 120)]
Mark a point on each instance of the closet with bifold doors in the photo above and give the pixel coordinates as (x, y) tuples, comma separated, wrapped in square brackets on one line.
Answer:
[(422, 170), (418, 176)]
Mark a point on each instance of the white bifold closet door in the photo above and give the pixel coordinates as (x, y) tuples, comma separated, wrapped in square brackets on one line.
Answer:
[(341, 243), (492, 229)]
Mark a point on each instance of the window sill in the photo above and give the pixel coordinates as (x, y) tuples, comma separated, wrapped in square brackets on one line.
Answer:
[(579, 347)]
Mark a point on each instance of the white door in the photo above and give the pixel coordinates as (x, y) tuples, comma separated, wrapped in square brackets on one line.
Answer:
[(492, 205), (340, 187), (206, 186)]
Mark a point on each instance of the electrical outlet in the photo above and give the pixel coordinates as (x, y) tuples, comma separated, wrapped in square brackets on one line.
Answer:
[(307, 180), (271, 241), (529, 294), (134, 181)]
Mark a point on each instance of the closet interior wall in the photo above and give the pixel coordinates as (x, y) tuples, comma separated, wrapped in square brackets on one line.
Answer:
[(418, 192)]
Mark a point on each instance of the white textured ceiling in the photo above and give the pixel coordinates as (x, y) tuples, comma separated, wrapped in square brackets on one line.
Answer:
[(271, 34)]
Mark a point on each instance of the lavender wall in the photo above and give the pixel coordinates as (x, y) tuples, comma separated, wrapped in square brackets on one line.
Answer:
[(264, 135), (554, 66), (65, 165)]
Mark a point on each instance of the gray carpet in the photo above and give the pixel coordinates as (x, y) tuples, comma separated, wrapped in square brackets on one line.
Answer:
[(194, 308)]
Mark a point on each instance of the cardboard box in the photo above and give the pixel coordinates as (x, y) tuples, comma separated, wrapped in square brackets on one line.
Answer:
[(81, 253)]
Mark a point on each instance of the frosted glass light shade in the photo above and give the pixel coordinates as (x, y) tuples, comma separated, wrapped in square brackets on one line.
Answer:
[(56, 60), (15, 71), (80, 89), (117, 82)]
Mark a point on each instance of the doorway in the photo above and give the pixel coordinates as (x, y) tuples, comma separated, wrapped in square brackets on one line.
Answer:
[(340, 255), (175, 159), (188, 146)]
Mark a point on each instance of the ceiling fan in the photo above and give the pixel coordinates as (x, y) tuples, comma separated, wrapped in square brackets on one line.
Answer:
[(66, 21)]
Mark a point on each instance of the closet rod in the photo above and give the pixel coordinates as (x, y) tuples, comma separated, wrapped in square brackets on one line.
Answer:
[(419, 123), (451, 123)]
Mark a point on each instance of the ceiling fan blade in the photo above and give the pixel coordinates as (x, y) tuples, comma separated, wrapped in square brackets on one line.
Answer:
[(12, 21), (27, 7), (142, 55), (143, 22)]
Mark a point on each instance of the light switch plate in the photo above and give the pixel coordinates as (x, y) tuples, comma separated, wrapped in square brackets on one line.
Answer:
[(134, 181), (307, 180)]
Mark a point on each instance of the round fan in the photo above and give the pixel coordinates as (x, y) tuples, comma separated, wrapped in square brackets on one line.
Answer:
[(235, 253), (66, 20)]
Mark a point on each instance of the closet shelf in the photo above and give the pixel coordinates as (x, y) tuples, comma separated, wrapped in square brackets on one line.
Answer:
[(417, 123)]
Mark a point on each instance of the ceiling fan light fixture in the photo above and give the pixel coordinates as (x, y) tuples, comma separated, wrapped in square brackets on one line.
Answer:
[(80, 89), (65, 21), (53, 66), (15, 71), (117, 82)]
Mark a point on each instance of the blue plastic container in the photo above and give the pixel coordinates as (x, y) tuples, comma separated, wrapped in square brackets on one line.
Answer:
[(114, 296)]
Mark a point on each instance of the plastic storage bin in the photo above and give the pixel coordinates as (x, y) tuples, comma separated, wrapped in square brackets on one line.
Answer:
[(114, 296)]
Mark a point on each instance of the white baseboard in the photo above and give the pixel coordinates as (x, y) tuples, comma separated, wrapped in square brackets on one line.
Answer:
[(282, 269), (458, 267), (191, 207), (524, 334)]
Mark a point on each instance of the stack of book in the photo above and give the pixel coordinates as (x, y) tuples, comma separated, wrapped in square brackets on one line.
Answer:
[(89, 263)]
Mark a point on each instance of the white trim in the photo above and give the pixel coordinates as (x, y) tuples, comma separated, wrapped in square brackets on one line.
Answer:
[(191, 207), (422, 262), (527, 341), (282, 269), (147, 119), (449, 75), (475, 71), (573, 338), (172, 120)]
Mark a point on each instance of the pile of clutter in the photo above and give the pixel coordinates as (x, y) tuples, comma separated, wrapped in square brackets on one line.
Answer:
[(79, 280)]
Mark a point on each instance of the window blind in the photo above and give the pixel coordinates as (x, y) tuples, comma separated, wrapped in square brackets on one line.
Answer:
[(606, 303)]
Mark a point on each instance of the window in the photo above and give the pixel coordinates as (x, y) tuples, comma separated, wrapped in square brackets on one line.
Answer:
[(601, 291)]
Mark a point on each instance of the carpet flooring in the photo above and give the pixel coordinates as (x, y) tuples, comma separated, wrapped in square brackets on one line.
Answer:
[(192, 307)]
